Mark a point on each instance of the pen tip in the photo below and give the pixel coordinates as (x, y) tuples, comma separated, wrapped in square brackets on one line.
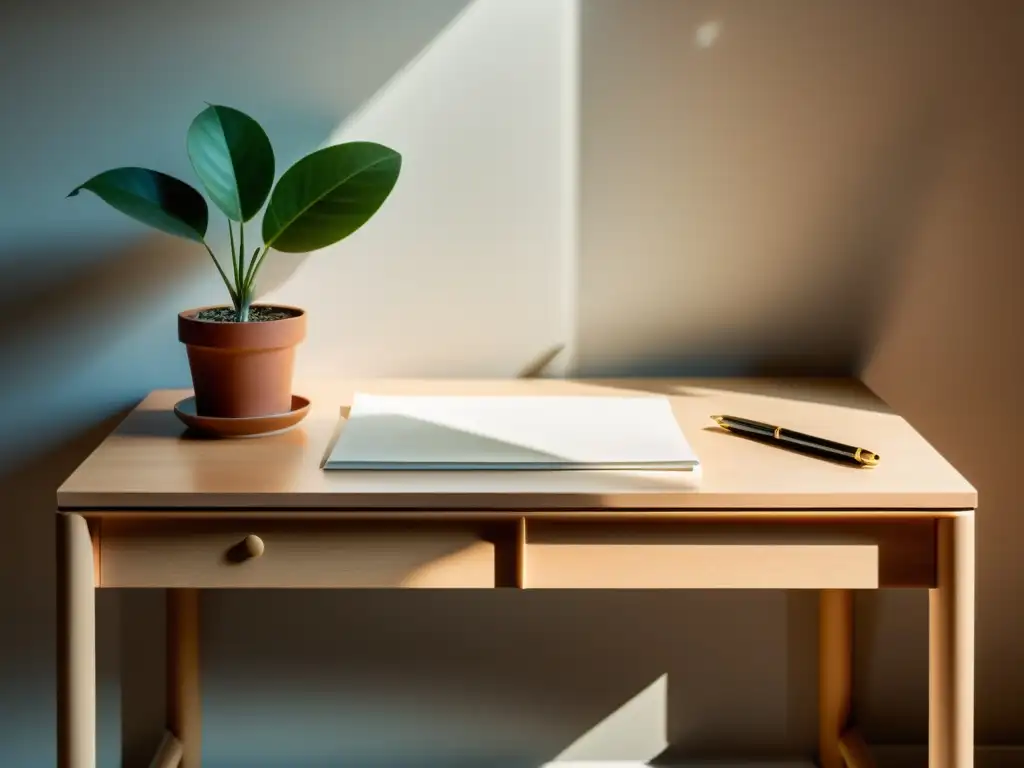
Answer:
[(869, 459)]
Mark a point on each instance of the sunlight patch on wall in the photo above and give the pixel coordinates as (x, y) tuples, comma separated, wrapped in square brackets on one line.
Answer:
[(463, 271)]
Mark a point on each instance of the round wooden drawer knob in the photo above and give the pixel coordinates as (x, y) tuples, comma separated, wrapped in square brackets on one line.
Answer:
[(253, 545)]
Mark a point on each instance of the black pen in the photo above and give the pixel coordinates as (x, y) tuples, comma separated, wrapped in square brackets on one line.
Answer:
[(815, 446)]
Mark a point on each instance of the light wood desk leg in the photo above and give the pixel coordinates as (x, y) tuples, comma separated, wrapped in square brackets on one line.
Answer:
[(835, 652), (951, 647), (183, 704), (76, 644)]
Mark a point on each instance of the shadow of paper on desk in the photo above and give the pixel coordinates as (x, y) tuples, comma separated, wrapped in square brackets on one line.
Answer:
[(496, 487), (401, 442), (395, 441)]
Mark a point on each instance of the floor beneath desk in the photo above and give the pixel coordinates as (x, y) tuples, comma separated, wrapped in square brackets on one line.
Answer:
[(886, 756), (703, 763)]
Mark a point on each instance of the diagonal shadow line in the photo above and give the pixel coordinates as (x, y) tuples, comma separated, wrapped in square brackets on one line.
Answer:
[(906, 174), (535, 368), (86, 309), (882, 209), (841, 392), (401, 430), (279, 267), (110, 287)]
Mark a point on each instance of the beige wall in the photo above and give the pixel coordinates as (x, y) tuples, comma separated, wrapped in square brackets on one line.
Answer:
[(949, 352), (839, 166), (741, 202), (828, 186), (463, 272)]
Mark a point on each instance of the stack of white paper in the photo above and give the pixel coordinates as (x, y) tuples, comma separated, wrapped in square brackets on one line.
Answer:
[(546, 432)]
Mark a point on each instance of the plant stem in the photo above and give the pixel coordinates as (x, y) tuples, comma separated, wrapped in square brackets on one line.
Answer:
[(247, 291), (243, 292), (254, 267), (234, 258), (224, 277)]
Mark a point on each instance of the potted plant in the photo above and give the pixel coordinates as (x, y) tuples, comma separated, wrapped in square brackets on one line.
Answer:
[(241, 356)]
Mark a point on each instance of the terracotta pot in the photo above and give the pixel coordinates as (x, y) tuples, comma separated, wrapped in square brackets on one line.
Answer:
[(242, 369)]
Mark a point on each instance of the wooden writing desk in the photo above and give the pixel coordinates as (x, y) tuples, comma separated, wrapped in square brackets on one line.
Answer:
[(156, 507)]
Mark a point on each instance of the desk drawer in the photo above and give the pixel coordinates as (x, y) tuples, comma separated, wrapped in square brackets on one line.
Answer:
[(730, 556), (305, 554), (687, 566)]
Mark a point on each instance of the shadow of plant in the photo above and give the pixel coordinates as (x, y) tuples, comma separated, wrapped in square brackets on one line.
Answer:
[(93, 306)]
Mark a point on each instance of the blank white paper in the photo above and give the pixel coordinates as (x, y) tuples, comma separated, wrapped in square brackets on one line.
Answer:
[(546, 432)]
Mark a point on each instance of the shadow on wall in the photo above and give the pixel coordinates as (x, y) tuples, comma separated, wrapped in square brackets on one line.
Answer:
[(783, 167), (80, 277), (950, 359), (90, 297), (76, 312), (830, 325)]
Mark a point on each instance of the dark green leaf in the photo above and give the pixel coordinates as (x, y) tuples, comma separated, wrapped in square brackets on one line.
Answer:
[(154, 198), (233, 158), (328, 195)]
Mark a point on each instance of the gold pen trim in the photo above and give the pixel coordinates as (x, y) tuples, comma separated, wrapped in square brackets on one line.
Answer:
[(778, 432), (867, 458)]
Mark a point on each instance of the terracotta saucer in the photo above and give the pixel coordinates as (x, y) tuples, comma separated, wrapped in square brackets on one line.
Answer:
[(246, 426)]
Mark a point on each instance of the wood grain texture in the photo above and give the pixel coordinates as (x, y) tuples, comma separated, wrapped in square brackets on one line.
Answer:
[(212, 554), (835, 673), (76, 644), (951, 648), (184, 711), (149, 463)]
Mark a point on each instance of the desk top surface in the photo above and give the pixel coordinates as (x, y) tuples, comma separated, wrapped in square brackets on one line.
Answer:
[(150, 464)]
